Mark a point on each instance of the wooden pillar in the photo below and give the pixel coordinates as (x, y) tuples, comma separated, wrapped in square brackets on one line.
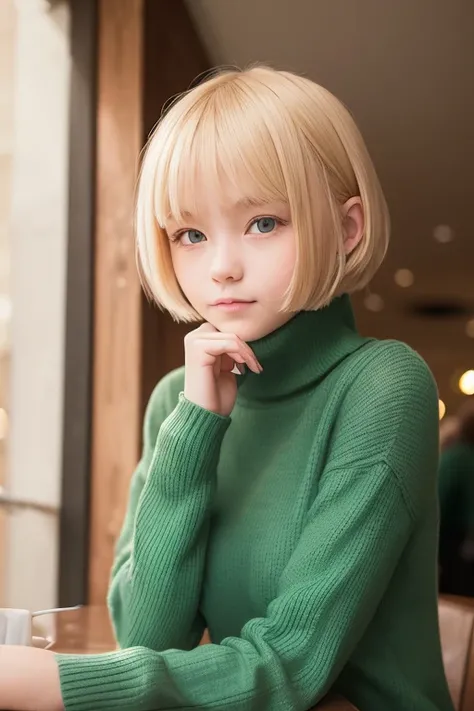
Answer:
[(147, 51)]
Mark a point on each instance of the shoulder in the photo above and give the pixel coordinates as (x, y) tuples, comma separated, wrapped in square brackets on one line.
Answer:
[(392, 368), (389, 413), (163, 400), (393, 388)]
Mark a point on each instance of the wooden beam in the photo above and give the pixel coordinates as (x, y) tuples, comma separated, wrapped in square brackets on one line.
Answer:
[(117, 332)]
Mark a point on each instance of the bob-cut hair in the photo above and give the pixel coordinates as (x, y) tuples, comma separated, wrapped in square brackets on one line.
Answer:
[(276, 136)]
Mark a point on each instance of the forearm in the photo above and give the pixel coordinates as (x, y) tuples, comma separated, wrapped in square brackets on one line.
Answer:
[(154, 595), (292, 655), (154, 601), (29, 680)]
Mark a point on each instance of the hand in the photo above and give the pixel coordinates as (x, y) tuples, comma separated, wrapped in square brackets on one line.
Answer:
[(210, 357), (29, 680)]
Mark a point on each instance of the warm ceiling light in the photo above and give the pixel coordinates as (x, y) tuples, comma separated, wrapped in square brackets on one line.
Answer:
[(3, 424), (442, 409), (470, 328), (466, 382), (443, 234), (373, 302), (404, 278)]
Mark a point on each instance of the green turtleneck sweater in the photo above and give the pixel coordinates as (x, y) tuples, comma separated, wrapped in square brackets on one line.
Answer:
[(301, 531)]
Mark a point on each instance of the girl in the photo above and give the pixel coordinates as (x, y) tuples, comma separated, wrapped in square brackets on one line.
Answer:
[(291, 509)]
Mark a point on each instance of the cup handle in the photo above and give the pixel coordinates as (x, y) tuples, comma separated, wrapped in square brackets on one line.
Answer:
[(39, 642)]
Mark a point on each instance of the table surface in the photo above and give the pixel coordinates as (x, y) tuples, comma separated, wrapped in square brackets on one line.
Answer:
[(84, 631)]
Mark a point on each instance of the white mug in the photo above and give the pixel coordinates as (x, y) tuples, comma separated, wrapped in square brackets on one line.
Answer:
[(16, 626)]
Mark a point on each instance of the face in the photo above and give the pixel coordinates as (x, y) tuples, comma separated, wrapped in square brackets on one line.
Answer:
[(234, 261)]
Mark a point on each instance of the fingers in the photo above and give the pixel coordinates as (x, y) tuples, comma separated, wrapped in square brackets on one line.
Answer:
[(241, 346), (237, 351), (207, 340)]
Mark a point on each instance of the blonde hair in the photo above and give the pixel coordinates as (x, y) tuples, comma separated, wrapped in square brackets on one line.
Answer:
[(276, 136)]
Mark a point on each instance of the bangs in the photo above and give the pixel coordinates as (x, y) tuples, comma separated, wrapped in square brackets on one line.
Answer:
[(223, 139), (267, 136)]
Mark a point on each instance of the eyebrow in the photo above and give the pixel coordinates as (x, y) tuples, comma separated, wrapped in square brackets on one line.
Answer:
[(245, 202), (242, 203)]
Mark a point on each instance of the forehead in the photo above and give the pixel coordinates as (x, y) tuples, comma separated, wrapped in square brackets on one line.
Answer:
[(204, 193), (218, 156)]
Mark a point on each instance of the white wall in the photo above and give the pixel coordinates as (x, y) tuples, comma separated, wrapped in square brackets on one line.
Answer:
[(38, 256)]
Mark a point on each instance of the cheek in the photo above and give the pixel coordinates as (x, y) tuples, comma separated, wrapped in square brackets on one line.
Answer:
[(282, 266), (190, 273), (187, 273), (287, 266)]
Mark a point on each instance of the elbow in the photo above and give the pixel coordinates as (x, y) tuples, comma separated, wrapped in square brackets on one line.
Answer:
[(117, 617)]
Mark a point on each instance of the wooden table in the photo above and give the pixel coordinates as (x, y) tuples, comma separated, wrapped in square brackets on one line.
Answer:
[(88, 631), (84, 631)]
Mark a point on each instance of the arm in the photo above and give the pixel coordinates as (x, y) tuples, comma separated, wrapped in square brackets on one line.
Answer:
[(156, 581), (285, 660), (29, 680), (156, 577), (290, 658)]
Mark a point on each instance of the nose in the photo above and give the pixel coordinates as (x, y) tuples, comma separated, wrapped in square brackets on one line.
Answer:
[(226, 264)]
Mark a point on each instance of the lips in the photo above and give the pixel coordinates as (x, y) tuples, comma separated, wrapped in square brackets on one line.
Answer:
[(232, 305), (231, 301)]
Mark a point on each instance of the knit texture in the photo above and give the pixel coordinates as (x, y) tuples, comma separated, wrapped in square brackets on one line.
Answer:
[(302, 531)]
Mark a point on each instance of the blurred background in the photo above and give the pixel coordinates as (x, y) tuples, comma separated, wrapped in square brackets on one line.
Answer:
[(81, 85)]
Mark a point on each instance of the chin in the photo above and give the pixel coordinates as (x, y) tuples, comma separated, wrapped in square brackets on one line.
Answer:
[(246, 329)]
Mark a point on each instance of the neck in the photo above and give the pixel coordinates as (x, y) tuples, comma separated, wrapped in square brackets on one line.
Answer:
[(300, 353)]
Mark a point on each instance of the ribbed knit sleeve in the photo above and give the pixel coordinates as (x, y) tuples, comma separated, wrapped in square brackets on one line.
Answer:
[(157, 575), (289, 658), (367, 502)]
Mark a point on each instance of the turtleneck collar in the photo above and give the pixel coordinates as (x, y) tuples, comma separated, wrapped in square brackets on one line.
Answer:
[(300, 353)]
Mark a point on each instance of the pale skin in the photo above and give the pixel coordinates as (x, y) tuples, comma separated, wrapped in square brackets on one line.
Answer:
[(246, 252)]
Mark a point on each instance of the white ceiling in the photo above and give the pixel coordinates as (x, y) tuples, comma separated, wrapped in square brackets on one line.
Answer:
[(406, 71)]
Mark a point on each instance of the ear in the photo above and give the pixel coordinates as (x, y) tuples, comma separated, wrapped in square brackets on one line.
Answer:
[(353, 223)]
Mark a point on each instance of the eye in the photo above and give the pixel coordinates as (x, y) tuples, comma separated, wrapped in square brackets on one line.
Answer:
[(190, 237), (263, 225)]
